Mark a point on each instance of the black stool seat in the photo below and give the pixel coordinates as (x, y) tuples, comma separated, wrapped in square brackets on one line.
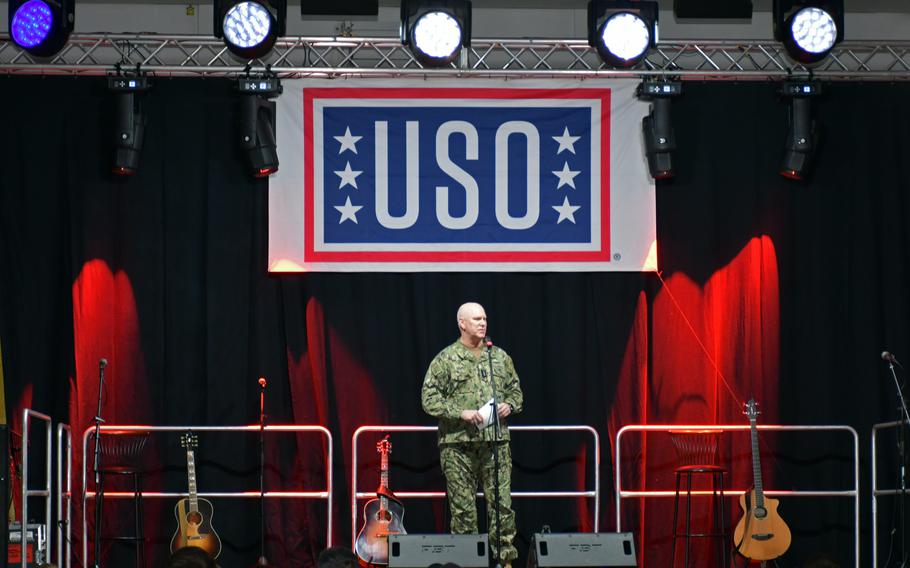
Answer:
[(700, 469), (120, 470), (699, 445), (121, 454)]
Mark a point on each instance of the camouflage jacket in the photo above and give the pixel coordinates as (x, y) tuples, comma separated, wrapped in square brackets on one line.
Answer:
[(457, 380)]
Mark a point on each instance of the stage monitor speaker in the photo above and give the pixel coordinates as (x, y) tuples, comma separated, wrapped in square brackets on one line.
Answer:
[(422, 550), (563, 550)]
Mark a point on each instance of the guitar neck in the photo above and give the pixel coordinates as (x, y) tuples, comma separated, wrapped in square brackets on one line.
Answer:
[(756, 465), (384, 480), (191, 475)]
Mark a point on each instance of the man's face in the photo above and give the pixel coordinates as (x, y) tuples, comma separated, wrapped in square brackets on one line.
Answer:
[(474, 323)]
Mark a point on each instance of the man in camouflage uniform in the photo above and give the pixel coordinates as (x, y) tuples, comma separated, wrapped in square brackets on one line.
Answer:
[(456, 385)]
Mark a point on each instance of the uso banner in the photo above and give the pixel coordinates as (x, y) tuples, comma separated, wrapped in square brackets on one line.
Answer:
[(467, 175)]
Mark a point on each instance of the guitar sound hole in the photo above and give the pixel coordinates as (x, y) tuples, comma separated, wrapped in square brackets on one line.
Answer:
[(384, 516), (194, 518), (760, 512)]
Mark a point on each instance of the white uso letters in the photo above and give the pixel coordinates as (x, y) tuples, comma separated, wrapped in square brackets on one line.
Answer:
[(467, 182)]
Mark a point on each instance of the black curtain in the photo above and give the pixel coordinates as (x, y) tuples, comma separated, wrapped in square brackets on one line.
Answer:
[(164, 275)]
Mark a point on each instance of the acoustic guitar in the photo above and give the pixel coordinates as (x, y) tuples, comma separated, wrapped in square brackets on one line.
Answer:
[(194, 515), (381, 516), (761, 534)]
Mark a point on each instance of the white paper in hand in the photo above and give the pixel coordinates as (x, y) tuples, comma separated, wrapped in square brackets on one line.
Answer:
[(486, 411)]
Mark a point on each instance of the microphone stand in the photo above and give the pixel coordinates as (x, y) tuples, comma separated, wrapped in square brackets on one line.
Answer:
[(905, 417), (99, 491), (497, 439), (262, 559), (902, 456)]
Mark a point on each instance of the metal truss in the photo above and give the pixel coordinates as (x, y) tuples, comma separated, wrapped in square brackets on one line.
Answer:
[(92, 54)]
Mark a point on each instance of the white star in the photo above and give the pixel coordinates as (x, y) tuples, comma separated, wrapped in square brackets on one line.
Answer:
[(349, 142), (566, 176), (349, 211), (566, 211), (566, 142), (349, 176)]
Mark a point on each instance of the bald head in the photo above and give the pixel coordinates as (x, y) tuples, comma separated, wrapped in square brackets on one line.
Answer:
[(472, 322), (465, 310)]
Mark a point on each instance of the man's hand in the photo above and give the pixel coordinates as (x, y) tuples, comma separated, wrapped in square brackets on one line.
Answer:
[(503, 409), (472, 417)]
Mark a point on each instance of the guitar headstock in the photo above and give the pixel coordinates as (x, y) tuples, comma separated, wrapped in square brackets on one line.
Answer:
[(384, 446), (189, 441), (751, 409)]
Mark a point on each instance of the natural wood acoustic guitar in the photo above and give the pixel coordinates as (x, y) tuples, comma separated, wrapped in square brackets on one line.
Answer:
[(761, 534)]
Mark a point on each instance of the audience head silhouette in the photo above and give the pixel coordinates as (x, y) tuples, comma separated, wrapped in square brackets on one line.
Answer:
[(190, 557), (337, 557)]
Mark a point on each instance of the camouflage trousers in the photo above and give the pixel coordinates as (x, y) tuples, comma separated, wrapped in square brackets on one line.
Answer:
[(466, 464)]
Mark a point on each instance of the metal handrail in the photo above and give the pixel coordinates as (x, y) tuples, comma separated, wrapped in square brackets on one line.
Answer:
[(621, 494), (27, 415), (355, 494), (64, 496), (876, 492), (326, 495)]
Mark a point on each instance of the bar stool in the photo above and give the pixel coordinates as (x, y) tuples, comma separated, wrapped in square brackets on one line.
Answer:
[(696, 452), (121, 454)]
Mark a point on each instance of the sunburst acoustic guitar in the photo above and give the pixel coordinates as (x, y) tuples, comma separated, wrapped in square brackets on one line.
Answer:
[(194, 514), (381, 516)]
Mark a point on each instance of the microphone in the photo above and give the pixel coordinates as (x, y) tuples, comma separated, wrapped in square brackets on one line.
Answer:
[(262, 382), (102, 363), (889, 358), (488, 342)]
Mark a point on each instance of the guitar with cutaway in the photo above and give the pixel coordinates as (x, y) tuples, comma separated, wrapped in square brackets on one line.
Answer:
[(761, 534)]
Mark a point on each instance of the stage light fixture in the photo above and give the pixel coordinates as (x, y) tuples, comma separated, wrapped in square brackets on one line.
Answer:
[(802, 135), (129, 121), (41, 27), (622, 31), (657, 128), (257, 123), (436, 31), (250, 28), (809, 30)]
